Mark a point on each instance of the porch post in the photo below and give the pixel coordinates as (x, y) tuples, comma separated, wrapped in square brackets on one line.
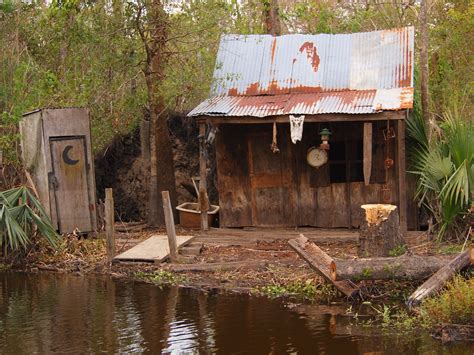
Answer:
[(203, 199), (402, 186)]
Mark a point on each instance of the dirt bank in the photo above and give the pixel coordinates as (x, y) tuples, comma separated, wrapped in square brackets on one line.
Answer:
[(121, 166)]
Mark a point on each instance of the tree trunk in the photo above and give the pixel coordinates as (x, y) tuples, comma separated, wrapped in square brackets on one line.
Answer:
[(406, 267), (321, 262), (271, 17), (154, 34), (380, 231), (424, 69), (438, 280)]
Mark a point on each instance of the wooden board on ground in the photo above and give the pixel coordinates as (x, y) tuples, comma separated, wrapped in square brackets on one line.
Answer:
[(155, 249)]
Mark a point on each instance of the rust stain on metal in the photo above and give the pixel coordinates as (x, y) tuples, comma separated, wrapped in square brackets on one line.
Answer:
[(311, 54), (233, 92), (274, 43), (405, 71), (406, 98)]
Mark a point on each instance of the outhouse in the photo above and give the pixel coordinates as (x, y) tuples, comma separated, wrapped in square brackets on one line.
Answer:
[(56, 151), (309, 127)]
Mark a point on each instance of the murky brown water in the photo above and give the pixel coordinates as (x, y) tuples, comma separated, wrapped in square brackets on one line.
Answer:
[(71, 314)]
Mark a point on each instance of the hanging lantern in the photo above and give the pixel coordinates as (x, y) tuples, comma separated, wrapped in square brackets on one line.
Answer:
[(325, 133)]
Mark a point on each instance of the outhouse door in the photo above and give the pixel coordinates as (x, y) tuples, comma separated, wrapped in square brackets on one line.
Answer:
[(271, 183), (69, 182)]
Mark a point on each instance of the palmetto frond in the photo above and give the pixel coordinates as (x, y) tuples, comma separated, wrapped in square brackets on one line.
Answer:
[(20, 213), (444, 166)]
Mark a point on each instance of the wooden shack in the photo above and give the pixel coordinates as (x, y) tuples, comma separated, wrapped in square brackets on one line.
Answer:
[(358, 86), (56, 150)]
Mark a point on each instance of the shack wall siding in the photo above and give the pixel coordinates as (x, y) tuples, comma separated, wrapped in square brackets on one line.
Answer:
[(302, 199)]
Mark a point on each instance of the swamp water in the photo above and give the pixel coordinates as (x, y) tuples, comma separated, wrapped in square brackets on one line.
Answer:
[(48, 313)]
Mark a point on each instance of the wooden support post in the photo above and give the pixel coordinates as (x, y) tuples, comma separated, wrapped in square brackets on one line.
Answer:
[(203, 199), (145, 139), (170, 229), (110, 223), (402, 186), (367, 152)]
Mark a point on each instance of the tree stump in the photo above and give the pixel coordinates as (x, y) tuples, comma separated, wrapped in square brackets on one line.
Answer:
[(380, 231)]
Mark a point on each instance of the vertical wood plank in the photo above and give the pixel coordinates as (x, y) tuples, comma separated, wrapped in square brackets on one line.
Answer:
[(170, 229), (110, 223), (402, 187), (367, 152), (203, 199)]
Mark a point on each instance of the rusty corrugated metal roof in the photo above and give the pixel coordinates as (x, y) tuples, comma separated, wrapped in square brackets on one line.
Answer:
[(261, 75)]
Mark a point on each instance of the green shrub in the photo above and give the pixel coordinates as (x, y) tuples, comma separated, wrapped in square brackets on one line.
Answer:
[(455, 305), (444, 166)]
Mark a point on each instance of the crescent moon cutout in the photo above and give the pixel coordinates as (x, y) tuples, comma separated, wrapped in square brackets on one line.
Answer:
[(66, 157)]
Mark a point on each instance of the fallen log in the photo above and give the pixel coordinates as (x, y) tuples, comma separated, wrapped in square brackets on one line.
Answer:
[(222, 266), (439, 279), (321, 262), (406, 267)]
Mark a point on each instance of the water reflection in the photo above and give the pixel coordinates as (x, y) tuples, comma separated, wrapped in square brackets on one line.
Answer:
[(71, 314)]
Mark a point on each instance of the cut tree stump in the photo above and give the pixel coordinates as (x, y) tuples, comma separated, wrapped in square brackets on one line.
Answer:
[(380, 231), (321, 262), (406, 267), (439, 279)]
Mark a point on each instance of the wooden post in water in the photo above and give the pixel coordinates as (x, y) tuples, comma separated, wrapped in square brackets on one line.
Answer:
[(203, 199), (170, 230), (110, 223)]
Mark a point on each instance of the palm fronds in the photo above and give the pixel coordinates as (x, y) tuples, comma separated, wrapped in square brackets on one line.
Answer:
[(444, 167), (21, 215)]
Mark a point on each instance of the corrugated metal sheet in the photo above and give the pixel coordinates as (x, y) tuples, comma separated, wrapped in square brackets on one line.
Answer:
[(353, 102), (261, 75)]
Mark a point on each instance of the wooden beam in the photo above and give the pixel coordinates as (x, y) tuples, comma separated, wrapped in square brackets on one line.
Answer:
[(170, 229), (203, 199), (367, 152), (402, 186), (110, 223), (382, 116), (321, 263)]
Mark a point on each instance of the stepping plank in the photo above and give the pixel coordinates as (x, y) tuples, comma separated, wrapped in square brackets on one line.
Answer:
[(154, 250)]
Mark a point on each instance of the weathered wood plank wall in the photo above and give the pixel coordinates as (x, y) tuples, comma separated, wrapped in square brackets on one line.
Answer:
[(257, 187)]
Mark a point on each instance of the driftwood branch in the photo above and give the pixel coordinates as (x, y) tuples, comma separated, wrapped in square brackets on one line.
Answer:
[(439, 279)]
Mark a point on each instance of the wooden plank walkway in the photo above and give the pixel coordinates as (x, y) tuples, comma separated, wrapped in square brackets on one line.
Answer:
[(154, 249)]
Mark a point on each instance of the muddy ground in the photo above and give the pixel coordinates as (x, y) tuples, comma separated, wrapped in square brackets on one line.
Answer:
[(280, 271)]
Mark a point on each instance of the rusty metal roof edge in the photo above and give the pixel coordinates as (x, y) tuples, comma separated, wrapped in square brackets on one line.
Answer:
[(350, 102)]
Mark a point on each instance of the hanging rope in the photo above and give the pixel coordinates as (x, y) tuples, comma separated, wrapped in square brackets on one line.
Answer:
[(274, 146)]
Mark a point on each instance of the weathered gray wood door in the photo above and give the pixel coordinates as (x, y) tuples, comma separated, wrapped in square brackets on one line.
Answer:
[(69, 180), (271, 183)]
